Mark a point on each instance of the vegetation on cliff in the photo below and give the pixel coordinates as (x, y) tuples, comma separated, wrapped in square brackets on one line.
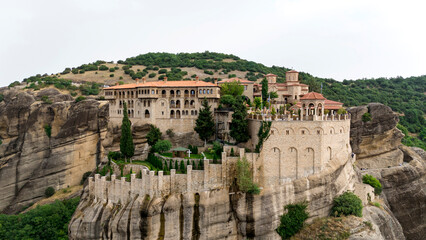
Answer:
[(127, 148), (204, 125), (44, 222), (244, 177), (292, 221), (347, 204)]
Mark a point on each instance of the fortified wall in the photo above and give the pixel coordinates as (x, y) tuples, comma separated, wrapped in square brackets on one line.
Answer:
[(297, 149), (214, 176)]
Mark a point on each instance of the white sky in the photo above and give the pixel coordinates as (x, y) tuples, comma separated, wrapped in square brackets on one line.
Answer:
[(340, 39)]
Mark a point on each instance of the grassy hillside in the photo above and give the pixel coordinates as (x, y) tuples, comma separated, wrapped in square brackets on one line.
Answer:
[(403, 95)]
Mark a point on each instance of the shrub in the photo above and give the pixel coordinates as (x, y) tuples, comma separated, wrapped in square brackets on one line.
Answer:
[(155, 68), (162, 146), (48, 130), (341, 111), (74, 71), (293, 220), (208, 72), (347, 204), (121, 77), (81, 71), (73, 94), (193, 75), (162, 71), (112, 69), (170, 133), (372, 181), (84, 177), (244, 180), (153, 135), (80, 98), (46, 99), (151, 75), (103, 68), (49, 191), (111, 75), (15, 83), (232, 152), (1, 97), (366, 117)]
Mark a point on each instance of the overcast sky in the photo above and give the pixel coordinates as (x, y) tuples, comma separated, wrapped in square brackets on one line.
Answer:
[(340, 39)]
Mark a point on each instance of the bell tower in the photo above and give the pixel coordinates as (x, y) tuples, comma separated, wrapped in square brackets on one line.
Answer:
[(292, 76)]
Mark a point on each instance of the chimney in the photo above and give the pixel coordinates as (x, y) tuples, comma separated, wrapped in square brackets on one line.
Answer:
[(165, 79), (143, 80), (215, 81), (196, 78), (137, 80)]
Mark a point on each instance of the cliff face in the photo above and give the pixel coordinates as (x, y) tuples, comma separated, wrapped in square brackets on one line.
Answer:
[(400, 169), (30, 161), (216, 214)]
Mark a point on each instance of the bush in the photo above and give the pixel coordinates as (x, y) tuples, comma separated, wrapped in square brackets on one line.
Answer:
[(162, 146), (153, 135), (80, 98), (366, 117), (111, 75), (112, 69), (85, 176), (347, 204), (152, 75), (372, 181), (103, 68), (49, 191), (170, 132), (293, 220), (244, 180), (15, 83), (208, 72), (48, 130), (46, 99), (162, 71), (1, 97), (73, 94)]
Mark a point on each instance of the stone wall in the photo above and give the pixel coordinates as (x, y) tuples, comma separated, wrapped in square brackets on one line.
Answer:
[(297, 149)]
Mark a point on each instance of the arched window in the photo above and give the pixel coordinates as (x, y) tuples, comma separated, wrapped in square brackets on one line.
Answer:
[(195, 112), (177, 114), (204, 91), (172, 93), (177, 93), (146, 113), (201, 91), (208, 91), (186, 92), (172, 114), (178, 103), (186, 105), (163, 92), (192, 92)]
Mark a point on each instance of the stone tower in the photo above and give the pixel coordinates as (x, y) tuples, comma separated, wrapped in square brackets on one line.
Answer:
[(292, 77), (272, 78)]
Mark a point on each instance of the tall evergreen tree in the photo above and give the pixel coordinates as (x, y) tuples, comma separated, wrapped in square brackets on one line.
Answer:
[(264, 89), (239, 124), (153, 135), (127, 148), (205, 124)]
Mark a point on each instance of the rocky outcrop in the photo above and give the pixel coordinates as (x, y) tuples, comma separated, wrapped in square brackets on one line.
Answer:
[(375, 142), (30, 160), (404, 188), (400, 169)]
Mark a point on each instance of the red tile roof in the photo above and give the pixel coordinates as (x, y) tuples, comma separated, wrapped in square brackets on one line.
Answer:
[(242, 81), (313, 96), (292, 71), (164, 84)]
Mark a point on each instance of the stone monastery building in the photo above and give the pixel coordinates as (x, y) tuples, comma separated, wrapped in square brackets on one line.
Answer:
[(175, 104)]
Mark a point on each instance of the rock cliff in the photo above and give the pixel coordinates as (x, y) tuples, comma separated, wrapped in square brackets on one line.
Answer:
[(30, 160), (400, 169)]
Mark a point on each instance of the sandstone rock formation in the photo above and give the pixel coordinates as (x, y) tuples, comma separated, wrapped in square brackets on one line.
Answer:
[(31, 161), (400, 169), (375, 142)]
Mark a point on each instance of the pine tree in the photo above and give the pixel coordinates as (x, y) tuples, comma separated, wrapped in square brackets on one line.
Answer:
[(205, 124), (193, 165), (170, 164), (165, 170), (239, 124), (201, 164), (176, 165), (264, 89), (127, 148), (182, 166)]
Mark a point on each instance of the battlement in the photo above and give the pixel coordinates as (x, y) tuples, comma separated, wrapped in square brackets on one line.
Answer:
[(214, 176)]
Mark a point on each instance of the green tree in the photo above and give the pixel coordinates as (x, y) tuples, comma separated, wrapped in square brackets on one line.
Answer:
[(127, 148), (153, 135), (233, 88), (204, 125), (239, 124), (258, 102), (244, 177), (182, 166), (162, 146), (264, 89), (292, 221)]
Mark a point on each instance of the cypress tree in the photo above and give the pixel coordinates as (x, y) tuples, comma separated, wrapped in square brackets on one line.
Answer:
[(170, 164), (204, 125), (176, 165), (264, 89), (239, 124), (193, 165), (187, 163), (201, 164), (127, 148), (182, 166)]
